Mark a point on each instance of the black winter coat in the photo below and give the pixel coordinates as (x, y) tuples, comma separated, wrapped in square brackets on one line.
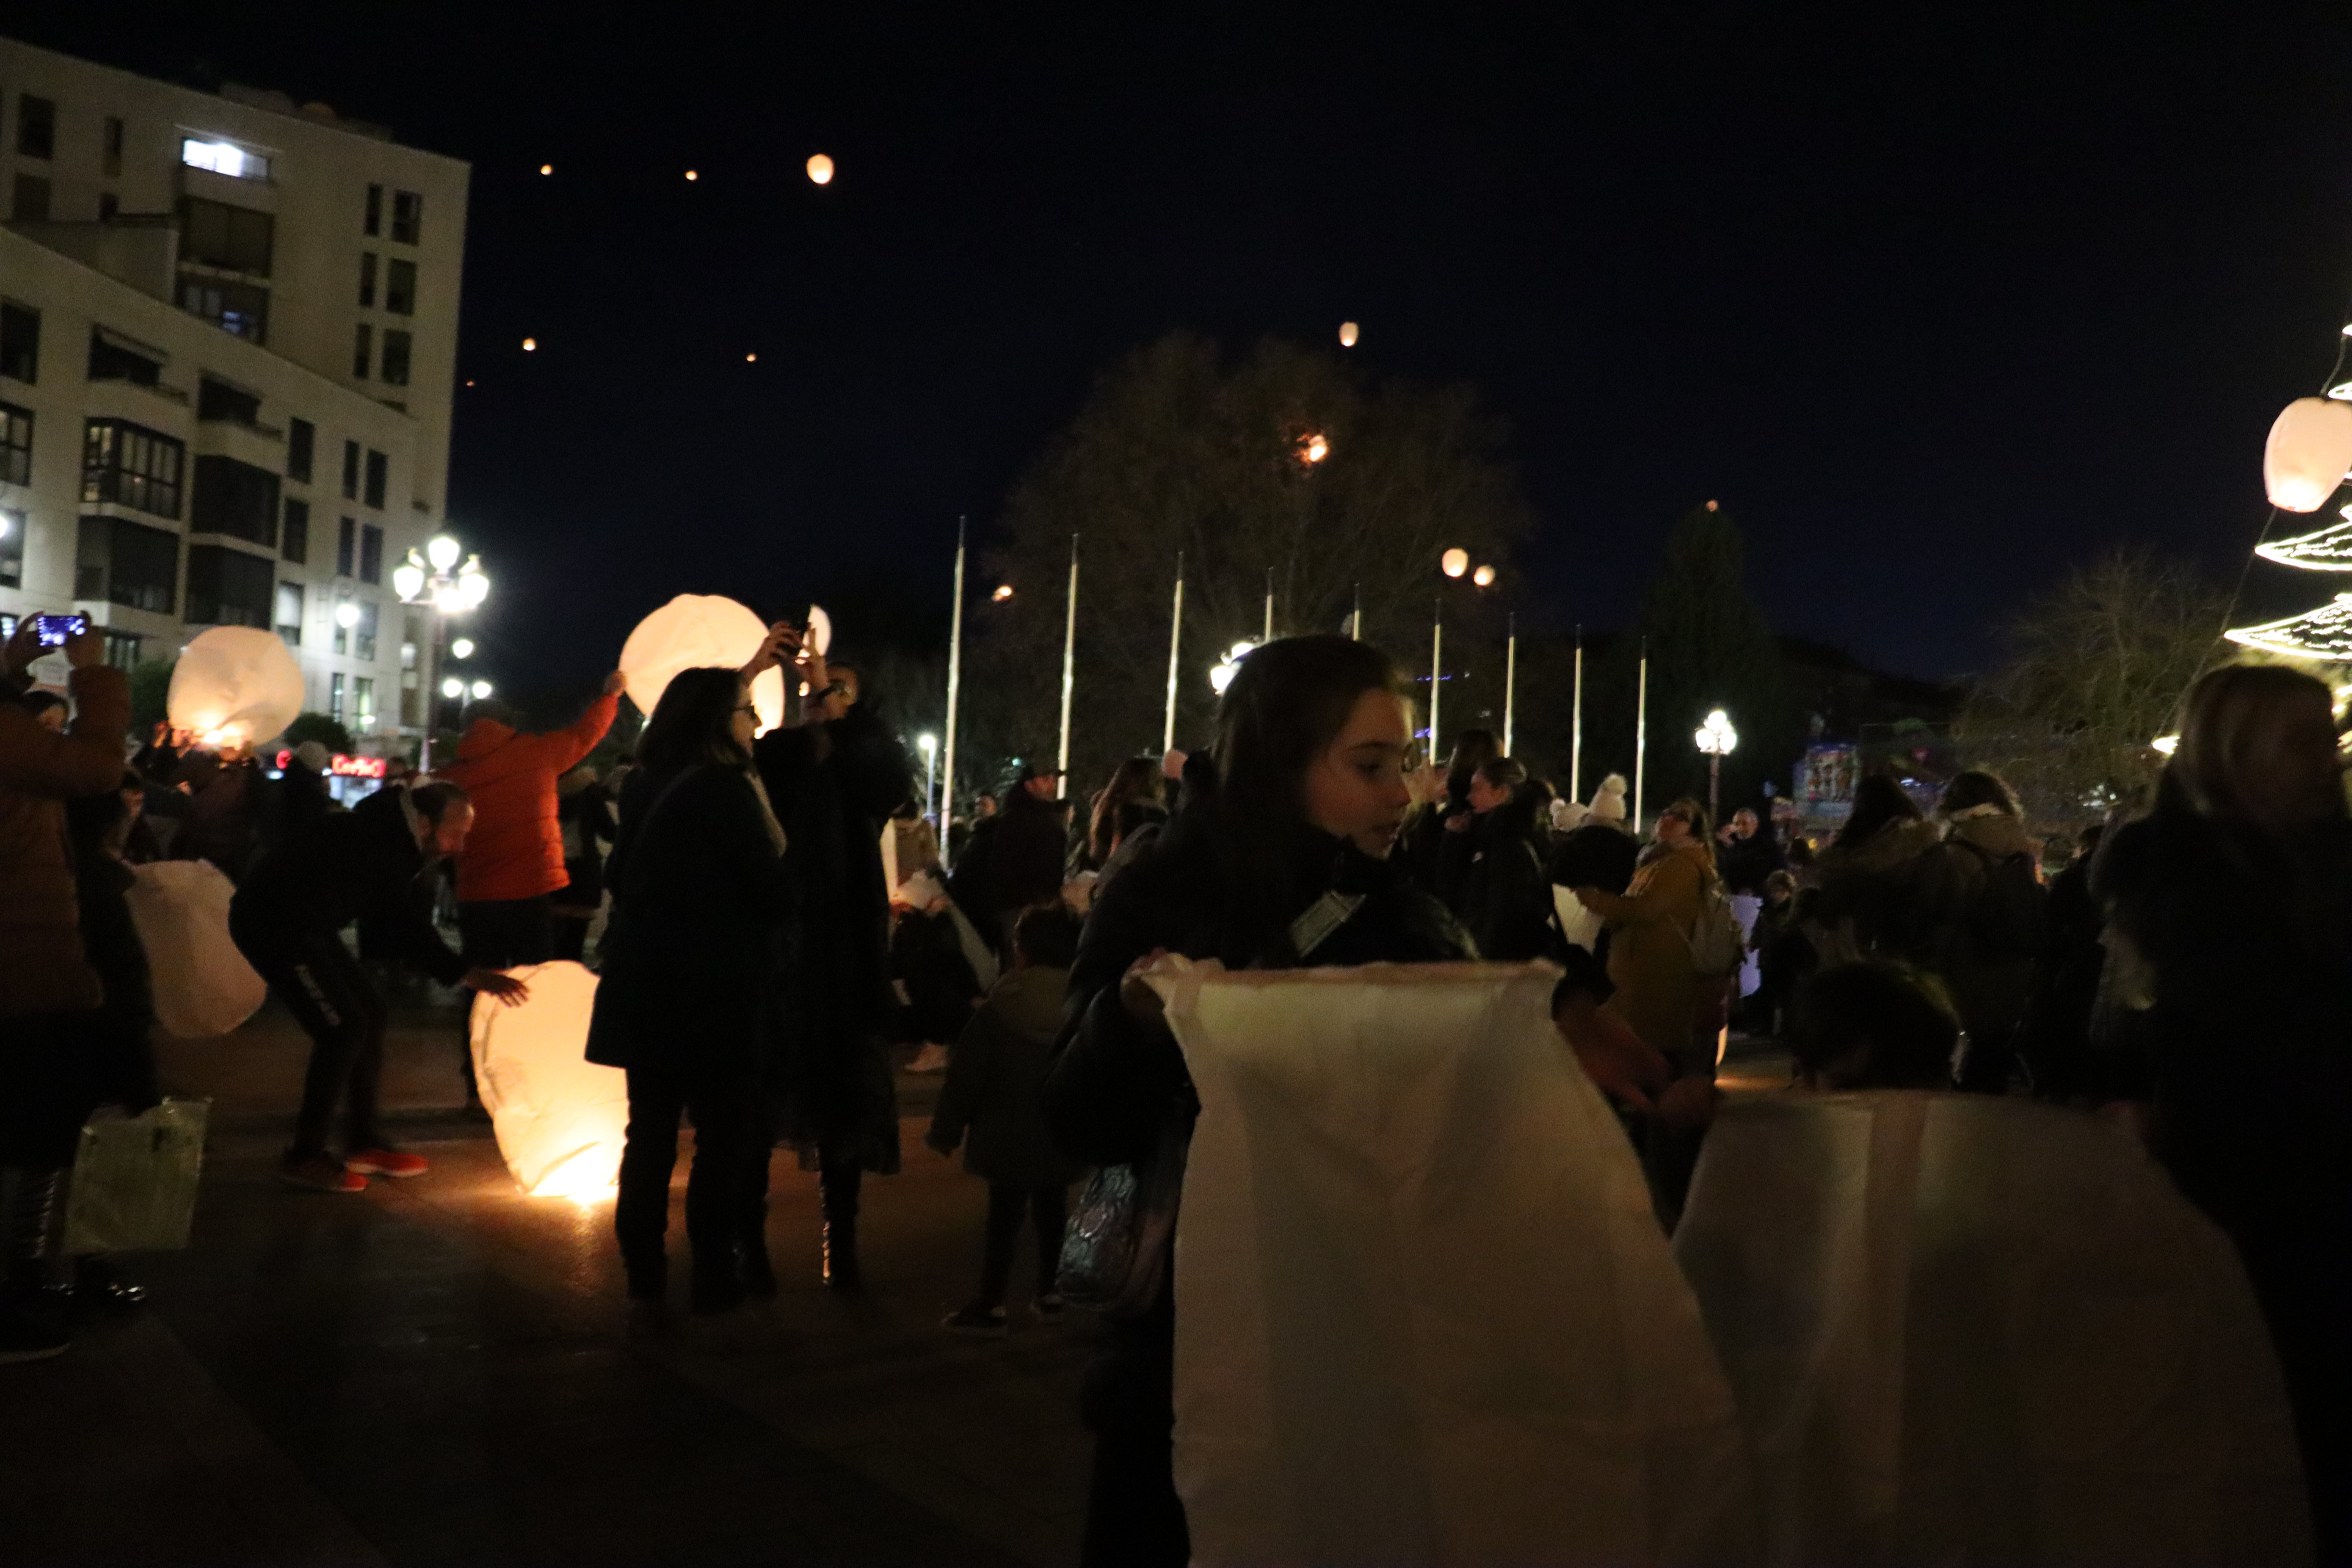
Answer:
[(990, 1100), (1505, 897), (693, 955), (364, 862)]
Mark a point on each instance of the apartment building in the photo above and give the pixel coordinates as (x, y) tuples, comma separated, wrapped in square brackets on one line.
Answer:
[(228, 360)]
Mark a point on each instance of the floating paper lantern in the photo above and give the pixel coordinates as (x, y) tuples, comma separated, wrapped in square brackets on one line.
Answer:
[(547, 168), (1484, 576), (1455, 562), (2309, 450), (695, 630), (203, 986), (235, 686), (691, 176), (1348, 334), (820, 170), (560, 1119), (531, 345)]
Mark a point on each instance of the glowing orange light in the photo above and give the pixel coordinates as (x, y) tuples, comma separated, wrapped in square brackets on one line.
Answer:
[(547, 168), (1348, 333), (750, 358), (1003, 592), (469, 383), (820, 170), (531, 345), (692, 175), (1454, 561), (1710, 506), (1484, 576), (1313, 448)]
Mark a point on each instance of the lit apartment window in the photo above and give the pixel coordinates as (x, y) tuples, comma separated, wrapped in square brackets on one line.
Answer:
[(395, 357), (400, 287), (335, 693), (347, 546), (378, 472), (131, 465), (20, 343), (294, 538), (350, 470), (301, 441), (222, 158), (374, 224), (234, 240), (11, 550), (31, 201), (290, 613), (367, 280), (370, 553), (123, 650), (241, 309), (37, 127), (113, 147), (361, 341), (364, 635), (363, 704), (407, 215), (16, 445)]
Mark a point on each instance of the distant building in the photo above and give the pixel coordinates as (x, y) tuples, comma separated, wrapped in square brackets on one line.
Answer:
[(228, 336)]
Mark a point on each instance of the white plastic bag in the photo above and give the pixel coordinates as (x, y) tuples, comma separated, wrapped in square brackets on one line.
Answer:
[(1967, 1330), (134, 1180), (560, 1119), (1423, 1313), (203, 986)]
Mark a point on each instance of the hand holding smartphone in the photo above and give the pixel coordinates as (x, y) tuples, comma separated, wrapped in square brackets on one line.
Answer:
[(51, 631)]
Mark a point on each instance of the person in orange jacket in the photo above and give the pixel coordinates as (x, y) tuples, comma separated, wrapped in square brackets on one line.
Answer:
[(513, 863)]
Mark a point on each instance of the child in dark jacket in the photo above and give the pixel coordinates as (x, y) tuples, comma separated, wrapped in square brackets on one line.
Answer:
[(989, 1105)]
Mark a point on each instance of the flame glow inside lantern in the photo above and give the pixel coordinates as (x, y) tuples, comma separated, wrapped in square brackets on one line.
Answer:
[(560, 1119), (235, 686), (1003, 592), (695, 630), (2309, 450), (1348, 334), (820, 170), (547, 168), (1454, 561), (1484, 576), (531, 345)]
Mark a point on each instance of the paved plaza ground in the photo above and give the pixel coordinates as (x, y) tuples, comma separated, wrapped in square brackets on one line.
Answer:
[(438, 1371)]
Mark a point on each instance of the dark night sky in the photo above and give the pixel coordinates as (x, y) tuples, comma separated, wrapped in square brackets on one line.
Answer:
[(1936, 302)]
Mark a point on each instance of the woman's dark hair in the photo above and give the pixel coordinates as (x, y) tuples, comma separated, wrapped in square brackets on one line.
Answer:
[(693, 723), (1136, 779), (1872, 1026), (1502, 773), (437, 798), (1288, 703), (1473, 749), (1048, 935), (1974, 788), (1877, 801)]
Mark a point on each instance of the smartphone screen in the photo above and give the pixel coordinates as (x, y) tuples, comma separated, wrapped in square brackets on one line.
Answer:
[(53, 630)]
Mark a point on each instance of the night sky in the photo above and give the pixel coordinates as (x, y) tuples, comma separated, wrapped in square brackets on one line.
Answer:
[(1935, 303)]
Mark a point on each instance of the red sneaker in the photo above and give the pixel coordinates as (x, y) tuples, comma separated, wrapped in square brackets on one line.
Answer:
[(390, 1163), (319, 1174)]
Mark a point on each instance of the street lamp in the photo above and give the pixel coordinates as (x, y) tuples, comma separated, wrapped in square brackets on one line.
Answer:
[(930, 746), (453, 688), (433, 579), (462, 648), (480, 689), (1716, 738)]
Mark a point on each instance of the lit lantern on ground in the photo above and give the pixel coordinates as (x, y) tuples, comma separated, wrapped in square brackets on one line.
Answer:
[(560, 1119), (2309, 452), (1455, 562), (692, 631), (820, 170), (235, 686)]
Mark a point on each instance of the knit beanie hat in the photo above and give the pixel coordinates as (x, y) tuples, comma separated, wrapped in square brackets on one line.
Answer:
[(1609, 805), (1567, 816)]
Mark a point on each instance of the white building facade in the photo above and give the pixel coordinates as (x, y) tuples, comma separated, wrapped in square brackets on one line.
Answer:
[(227, 361)]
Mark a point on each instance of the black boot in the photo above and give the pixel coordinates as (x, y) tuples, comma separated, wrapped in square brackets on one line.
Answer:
[(648, 1277), (25, 1236)]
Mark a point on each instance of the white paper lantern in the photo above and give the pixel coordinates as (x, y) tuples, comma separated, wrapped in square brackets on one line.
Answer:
[(2309, 450), (1348, 333), (203, 986), (235, 686), (560, 1119), (820, 629), (690, 631), (1454, 561)]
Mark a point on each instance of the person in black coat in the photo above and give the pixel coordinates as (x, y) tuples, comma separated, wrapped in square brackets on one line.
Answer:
[(1015, 858), (288, 920), (1287, 861), (1502, 894), (2232, 914), (693, 959), (835, 780)]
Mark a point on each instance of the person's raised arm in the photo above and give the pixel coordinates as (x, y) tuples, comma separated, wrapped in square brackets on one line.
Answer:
[(87, 758), (566, 749), (1655, 898)]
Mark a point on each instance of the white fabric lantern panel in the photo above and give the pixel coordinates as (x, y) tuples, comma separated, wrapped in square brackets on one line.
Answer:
[(203, 986), (692, 632), (235, 686), (1969, 1330), (1423, 1312), (2309, 451), (560, 1119)]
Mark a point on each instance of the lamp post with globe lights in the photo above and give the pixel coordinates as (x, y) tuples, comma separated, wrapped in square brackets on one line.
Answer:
[(1716, 738), (434, 579)]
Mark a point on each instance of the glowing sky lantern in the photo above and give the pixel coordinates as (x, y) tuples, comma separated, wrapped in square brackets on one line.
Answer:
[(531, 345), (750, 358), (690, 175), (1313, 448), (560, 1120), (1348, 333), (1484, 576), (1454, 561), (1003, 592), (547, 168), (820, 170), (695, 630), (2309, 450), (235, 686)]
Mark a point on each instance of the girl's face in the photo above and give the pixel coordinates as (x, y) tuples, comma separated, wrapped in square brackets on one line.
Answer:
[(746, 719), (1356, 789), (1672, 828), (1485, 795)]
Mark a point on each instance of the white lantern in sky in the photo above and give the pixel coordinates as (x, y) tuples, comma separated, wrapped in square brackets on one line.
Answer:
[(695, 630), (1348, 334), (235, 686), (1484, 576), (820, 170), (2309, 450), (1455, 562)]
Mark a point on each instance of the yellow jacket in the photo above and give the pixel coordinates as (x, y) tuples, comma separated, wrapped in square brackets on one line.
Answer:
[(1660, 996)]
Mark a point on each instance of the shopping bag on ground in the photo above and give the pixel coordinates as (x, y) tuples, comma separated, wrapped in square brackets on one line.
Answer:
[(1969, 1330), (203, 986), (1423, 1315), (134, 1180), (560, 1119)]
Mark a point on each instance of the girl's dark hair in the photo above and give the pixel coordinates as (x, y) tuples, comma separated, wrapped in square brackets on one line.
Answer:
[(1286, 704), (1872, 1025), (1136, 779), (1502, 772), (1974, 788), (693, 723), (434, 799), (1877, 801), (1473, 749)]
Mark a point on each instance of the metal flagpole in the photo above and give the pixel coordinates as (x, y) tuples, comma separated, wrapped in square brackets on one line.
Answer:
[(1575, 726), (955, 682), (1641, 735), (1269, 607), (1069, 669), (1175, 637), (1356, 621), (1510, 683), (1436, 671)]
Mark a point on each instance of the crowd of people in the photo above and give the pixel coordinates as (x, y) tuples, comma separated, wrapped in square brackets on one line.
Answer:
[(782, 932)]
